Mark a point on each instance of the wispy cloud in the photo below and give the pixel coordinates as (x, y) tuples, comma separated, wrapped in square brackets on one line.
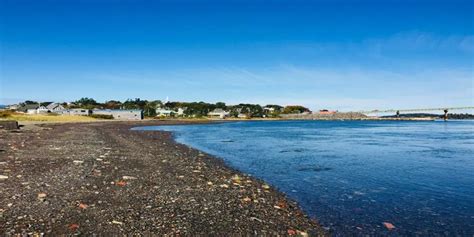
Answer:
[(344, 88)]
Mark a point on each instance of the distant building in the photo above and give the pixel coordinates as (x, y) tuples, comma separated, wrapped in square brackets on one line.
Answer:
[(220, 113), (240, 115), (55, 107), (181, 111), (29, 108), (160, 112), (327, 112), (42, 110), (121, 114), (13, 107), (85, 112)]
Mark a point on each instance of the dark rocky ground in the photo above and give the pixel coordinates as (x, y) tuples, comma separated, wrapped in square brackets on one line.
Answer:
[(102, 178)]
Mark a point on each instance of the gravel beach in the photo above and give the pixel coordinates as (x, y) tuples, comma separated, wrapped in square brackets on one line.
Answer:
[(102, 178)]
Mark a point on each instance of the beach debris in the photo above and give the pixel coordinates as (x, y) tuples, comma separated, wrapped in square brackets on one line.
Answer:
[(277, 207), (291, 232), (78, 162), (121, 183), (302, 233), (209, 183), (73, 227), (224, 186), (125, 177), (42, 196), (83, 206), (3, 177), (265, 186), (389, 225), (117, 222), (282, 204), (236, 179), (9, 204)]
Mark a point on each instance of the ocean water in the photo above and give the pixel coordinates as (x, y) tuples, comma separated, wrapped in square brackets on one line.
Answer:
[(354, 175)]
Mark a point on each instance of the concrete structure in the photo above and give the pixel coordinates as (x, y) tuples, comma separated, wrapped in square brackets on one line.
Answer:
[(220, 113), (84, 112), (8, 124), (121, 114)]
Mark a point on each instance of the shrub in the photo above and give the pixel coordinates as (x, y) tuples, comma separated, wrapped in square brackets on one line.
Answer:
[(102, 116), (6, 113)]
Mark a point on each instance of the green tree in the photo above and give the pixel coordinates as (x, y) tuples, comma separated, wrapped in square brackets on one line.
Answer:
[(295, 109)]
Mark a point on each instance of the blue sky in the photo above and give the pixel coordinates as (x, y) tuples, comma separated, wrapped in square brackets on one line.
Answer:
[(346, 55)]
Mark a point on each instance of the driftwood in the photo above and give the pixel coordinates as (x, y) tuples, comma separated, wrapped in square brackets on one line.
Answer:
[(8, 124)]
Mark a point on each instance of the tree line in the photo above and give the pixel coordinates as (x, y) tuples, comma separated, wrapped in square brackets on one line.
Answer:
[(190, 109)]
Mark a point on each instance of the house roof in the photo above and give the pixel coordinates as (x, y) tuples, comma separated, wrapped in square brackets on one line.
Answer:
[(29, 106), (53, 105)]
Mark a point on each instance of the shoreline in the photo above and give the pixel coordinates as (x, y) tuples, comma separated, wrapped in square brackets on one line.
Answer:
[(104, 178)]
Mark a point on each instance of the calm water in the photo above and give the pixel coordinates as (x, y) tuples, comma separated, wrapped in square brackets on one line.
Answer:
[(354, 175)]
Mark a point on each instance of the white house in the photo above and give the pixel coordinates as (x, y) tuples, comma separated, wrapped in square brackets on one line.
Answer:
[(181, 111), (42, 110), (133, 114), (55, 107), (218, 113), (160, 112), (75, 112)]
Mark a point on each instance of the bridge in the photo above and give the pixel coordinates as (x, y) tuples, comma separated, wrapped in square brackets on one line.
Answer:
[(416, 110), (398, 111)]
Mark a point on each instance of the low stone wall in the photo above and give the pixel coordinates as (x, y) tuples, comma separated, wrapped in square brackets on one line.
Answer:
[(335, 116), (8, 124)]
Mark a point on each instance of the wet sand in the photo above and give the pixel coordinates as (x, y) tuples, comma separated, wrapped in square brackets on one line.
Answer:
[(103, 178)]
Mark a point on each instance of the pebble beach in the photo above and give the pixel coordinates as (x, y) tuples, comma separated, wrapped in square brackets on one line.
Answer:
[(103, 178)]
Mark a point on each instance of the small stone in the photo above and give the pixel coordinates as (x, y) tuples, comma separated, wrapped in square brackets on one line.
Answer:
[(389, 225), (73, 227), (302, 233), (209, 183), (224, 186), (78, 162), (121, 183), (41, 196), (3, 177), (117, 222), (246, 199), (9, 204), (128, 177), (265, 186), (83, 206)]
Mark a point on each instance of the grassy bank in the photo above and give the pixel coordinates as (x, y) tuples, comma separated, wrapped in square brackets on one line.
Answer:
[(44, 117)]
